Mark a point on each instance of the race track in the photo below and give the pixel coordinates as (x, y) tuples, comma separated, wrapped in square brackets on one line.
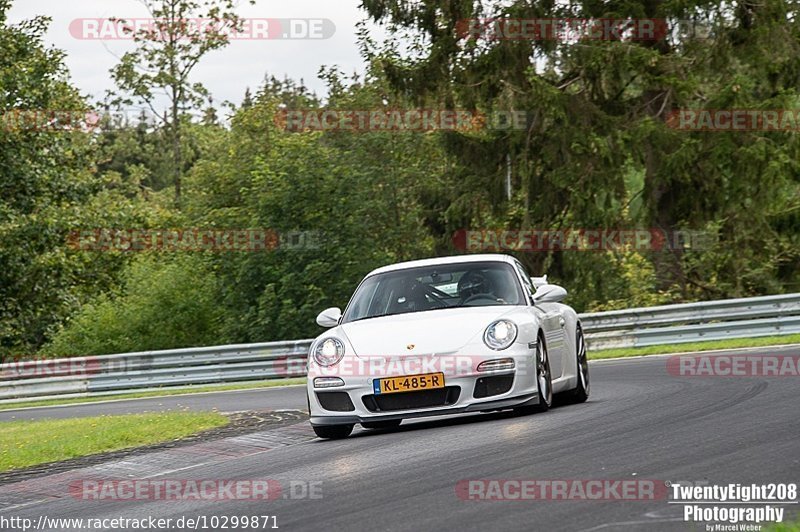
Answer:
[(640, 423)]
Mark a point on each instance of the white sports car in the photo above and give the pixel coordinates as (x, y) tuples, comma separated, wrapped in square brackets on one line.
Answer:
[(440, 336)]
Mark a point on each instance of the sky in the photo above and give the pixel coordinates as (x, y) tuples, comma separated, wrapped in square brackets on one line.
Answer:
[(227, 72)]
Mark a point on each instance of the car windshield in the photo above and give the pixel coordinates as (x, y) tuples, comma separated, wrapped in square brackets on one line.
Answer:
[(470, 284)]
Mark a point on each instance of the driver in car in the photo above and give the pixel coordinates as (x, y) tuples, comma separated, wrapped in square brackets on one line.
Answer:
[(474, 284)]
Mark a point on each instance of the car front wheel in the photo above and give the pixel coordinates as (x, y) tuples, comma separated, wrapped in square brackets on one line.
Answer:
[(544, 380)]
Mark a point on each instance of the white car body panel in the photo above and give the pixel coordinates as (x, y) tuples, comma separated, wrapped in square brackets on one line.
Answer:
[(431, 338)]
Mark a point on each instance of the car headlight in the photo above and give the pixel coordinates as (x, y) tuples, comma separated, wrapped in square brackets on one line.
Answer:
[(500, 334), (328, 352)]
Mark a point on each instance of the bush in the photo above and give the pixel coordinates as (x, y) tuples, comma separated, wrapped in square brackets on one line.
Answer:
[(163, 304)]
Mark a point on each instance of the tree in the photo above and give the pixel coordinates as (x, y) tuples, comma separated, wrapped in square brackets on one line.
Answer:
[(163, 303), (48, 188), (353, 194), (597, 138), (182, 33)]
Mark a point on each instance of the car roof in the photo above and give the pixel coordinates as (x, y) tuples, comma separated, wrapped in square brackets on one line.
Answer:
[(454, 259)]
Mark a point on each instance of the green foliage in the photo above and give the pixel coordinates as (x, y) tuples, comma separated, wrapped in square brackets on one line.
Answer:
[(161, 304), (631, 284), (597, 152), (357, 193), (597, 118), (167, 52), (48, 187), (163, 60)]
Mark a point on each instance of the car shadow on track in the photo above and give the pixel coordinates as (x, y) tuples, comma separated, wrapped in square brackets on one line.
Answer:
[(425, 423), (439, 422), (460, 419)]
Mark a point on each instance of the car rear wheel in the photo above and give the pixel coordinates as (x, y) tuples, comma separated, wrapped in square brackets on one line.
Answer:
[(581, 392), (388, 424), (333, 432)]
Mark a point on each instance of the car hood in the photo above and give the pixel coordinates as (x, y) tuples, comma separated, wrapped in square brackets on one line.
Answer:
[(432, 332)]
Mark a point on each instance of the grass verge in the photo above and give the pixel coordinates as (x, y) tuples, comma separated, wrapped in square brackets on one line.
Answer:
[(166, 392), (28, 443), (694, 346), (783, 527)]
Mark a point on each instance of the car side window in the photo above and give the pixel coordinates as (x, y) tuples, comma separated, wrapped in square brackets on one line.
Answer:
[(526, 279)]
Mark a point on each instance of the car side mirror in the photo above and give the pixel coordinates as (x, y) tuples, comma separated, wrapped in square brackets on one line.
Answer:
[(329, 317), (539, 281), (549, 293)]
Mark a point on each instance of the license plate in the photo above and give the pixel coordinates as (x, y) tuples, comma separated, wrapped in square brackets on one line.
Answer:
[(410, 383)]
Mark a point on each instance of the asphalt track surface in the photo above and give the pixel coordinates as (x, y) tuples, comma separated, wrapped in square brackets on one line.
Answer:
[(640, 423), (280, 398)]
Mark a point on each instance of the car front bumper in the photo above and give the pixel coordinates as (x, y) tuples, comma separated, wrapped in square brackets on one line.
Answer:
[(466, 390)]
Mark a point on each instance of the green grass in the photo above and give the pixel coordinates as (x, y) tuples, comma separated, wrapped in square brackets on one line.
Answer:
[(166, 392), (783, 527), (695, 346), (28, 443)]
